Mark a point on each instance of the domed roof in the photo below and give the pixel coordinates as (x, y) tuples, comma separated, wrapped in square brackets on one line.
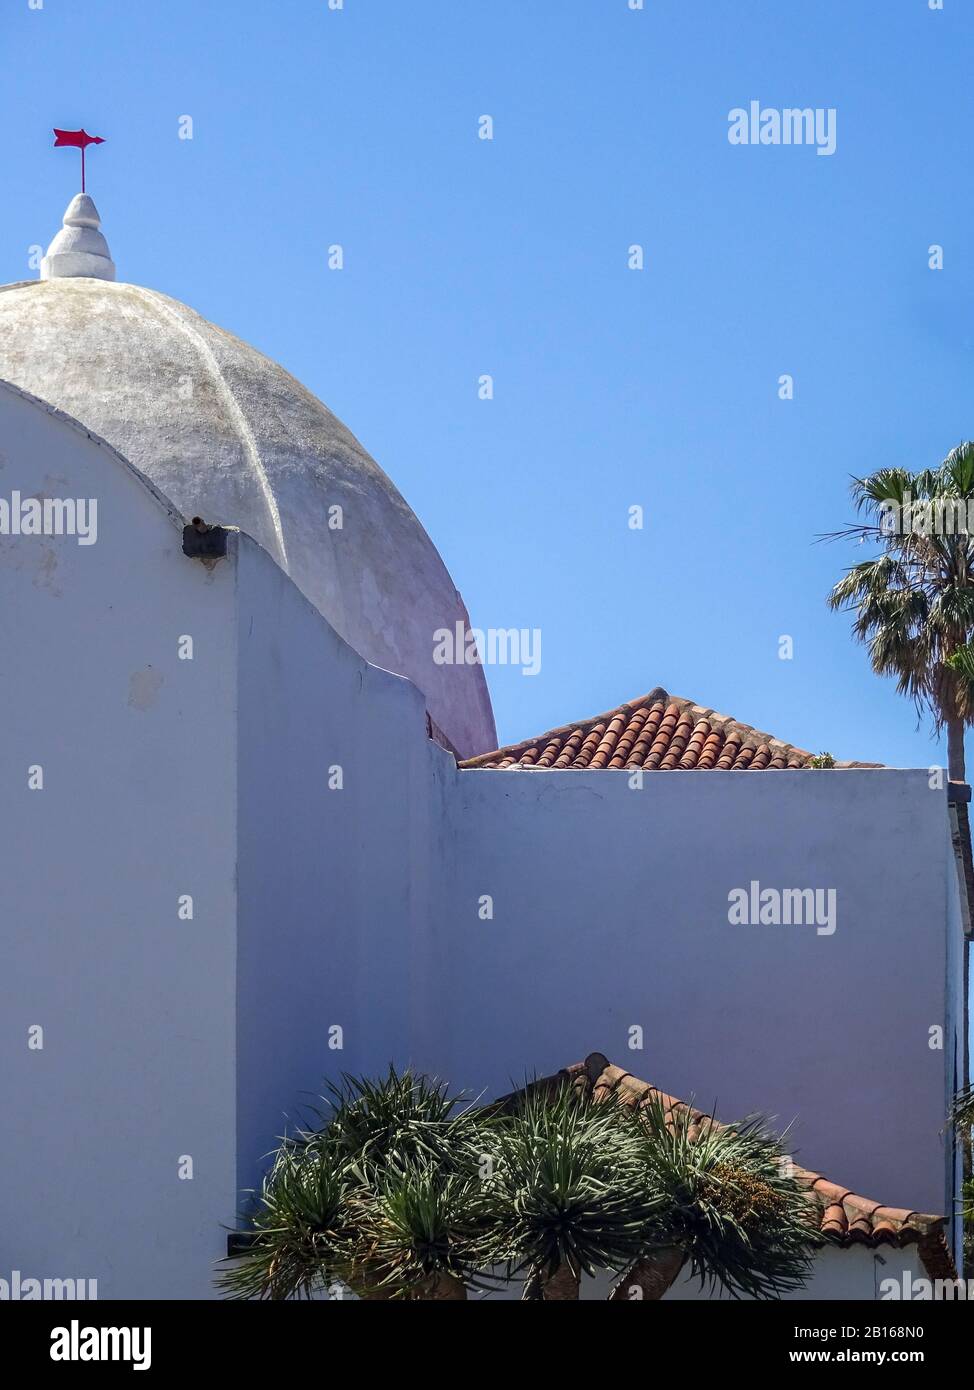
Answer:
[(230, 436)]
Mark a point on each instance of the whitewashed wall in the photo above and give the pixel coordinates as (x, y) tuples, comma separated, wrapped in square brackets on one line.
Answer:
[(335, 917), (358, 909), (610, 911), (137, 808)]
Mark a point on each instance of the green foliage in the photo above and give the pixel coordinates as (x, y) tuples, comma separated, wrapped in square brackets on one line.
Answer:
[(726, 1196), (914, 602), (962, 1119), (962, 1112), (396, 1122), (369, 1198), (401, 1194), (962, 662), (302, 1237), (822, 760), (419, 1227), (566, 1186)]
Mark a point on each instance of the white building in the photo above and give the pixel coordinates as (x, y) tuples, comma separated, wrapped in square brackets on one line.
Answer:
[(241, 853)]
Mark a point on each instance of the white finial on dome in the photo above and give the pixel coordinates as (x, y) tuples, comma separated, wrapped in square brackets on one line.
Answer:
[(79, 249)]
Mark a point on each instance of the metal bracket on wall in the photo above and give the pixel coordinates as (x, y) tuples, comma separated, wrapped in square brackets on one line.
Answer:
[(203, 542)]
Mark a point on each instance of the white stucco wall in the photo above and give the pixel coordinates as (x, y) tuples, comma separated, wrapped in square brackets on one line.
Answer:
[(335, 920), (166, 1038), (317, 908), (137, 808), (610, 911)]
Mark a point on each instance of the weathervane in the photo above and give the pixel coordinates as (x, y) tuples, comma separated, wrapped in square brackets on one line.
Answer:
[(79, 140)]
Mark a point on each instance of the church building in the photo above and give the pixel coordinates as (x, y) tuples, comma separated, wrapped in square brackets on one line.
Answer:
[(256, 835)]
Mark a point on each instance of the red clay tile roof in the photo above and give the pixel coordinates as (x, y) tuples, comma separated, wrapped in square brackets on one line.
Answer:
[(656, 732), (845, 1218)]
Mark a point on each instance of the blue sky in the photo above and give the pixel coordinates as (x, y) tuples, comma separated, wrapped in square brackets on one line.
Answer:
[(613, 387)]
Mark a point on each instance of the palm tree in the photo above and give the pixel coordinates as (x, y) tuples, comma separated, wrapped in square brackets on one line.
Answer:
[(727, 1205), (914, 602), (565, 1190)]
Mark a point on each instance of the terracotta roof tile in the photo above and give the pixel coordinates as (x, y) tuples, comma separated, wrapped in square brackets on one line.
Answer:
[(845, 1217), (656, 732)]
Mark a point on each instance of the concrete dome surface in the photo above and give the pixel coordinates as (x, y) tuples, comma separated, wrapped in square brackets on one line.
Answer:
[(229, 435)]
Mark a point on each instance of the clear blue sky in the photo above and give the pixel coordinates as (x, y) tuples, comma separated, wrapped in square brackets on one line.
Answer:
[(463, 257)]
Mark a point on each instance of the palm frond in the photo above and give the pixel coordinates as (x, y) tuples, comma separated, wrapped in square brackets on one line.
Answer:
[(913, 603)]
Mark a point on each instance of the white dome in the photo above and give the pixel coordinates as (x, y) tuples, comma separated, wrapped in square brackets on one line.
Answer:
[(228, 435)]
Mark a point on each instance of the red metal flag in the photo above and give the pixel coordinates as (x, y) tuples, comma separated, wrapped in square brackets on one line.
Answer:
[(79, 140)]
